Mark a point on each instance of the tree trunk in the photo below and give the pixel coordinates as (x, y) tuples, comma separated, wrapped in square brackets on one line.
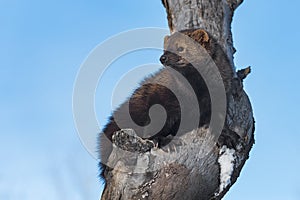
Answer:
[(198, 168)]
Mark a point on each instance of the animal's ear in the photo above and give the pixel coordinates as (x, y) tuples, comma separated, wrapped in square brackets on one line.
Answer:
[(166, 39), (200, 36)]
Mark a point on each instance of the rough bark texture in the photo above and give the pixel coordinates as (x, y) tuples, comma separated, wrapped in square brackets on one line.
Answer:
[(191, 170)]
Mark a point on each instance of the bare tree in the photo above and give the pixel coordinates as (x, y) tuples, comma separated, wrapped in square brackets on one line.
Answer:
[(190, 171)]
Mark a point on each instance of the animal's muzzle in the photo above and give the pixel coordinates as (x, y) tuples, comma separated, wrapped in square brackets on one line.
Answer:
[(169, 58), (163, 59)]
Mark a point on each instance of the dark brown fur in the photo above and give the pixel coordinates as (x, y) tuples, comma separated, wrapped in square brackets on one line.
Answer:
[(151, 92)]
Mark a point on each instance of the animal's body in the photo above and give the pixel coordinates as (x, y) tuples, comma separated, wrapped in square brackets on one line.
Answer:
[(157, 89)]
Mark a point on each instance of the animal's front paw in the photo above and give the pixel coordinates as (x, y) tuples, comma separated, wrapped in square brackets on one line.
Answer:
[(127, 140)]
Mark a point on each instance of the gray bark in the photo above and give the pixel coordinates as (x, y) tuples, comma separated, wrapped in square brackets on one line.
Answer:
[(190, 170)]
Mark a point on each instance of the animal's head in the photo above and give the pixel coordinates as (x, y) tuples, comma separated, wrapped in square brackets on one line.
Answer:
[(185, 48)]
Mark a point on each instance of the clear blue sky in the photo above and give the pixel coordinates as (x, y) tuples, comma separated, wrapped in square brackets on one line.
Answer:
[(42, 45)]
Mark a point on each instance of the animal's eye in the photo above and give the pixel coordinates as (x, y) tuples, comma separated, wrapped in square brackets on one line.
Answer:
[(180, 49)]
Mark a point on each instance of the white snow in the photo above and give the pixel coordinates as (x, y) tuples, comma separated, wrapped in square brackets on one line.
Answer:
[(227, 161)]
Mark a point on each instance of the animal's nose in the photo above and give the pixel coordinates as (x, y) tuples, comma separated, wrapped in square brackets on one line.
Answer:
[(163, 59)]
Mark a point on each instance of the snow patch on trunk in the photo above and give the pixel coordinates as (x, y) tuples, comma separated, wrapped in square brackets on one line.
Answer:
[(227, 161)]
